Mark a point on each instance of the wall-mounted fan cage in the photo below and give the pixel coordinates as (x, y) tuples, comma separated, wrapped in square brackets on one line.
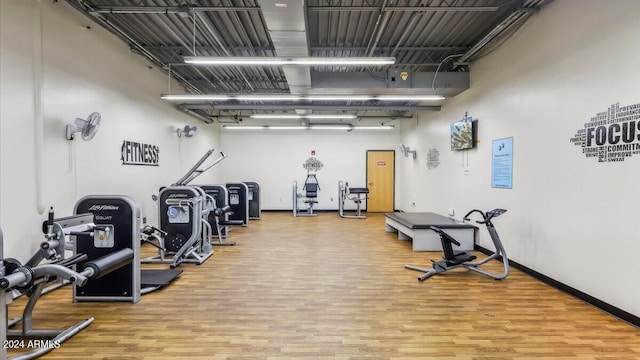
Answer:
[(187, 131), (407, 150), (86, 127)]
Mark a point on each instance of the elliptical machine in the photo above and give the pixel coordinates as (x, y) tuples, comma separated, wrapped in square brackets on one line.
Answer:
[(455, 259)]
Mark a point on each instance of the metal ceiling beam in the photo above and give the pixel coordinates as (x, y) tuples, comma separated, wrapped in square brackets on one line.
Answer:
[(186, 9), (403, 8), (380, 48), (322, 107), (312, 48), (167, 9)]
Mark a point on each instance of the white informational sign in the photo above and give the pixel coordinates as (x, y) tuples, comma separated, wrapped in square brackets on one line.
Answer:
[(502, 163)]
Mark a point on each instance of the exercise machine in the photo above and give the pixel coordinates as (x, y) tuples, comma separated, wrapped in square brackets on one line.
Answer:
[(239, 202), (183, 216), (120, 215), (310, 195), (51, 249), (310, 188), (31, 280), (183, 213), (461, 259), (219, 217), (357, 195), (254, 200)]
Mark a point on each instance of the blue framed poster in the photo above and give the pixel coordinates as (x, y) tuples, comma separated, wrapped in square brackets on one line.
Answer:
[(502, 163)]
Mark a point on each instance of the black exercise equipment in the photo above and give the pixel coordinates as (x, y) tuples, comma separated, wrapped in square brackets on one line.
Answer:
[(31, 280), (218, 219), (455, 259), (310, 188), (120, 215), (182, 214), (254, 200), (239, 202), (220, 195), (357, 195)]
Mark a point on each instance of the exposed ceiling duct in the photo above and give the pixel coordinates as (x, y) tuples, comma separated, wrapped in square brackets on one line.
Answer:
[(285, 20), (434, 45)]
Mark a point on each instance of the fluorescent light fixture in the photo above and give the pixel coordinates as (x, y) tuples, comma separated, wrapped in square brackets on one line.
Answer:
[(253, 60), (287, 97), (295, 116), (285, 127), (311, 127), (244, 127), (330, 127), (373, 127)]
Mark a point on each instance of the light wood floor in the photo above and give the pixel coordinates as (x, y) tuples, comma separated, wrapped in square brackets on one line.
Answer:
[(332, 288)]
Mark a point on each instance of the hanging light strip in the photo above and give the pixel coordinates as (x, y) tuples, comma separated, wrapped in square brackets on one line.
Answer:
[(347, 127), (287, 97), (303, 60), (373, 127), (295, 116)]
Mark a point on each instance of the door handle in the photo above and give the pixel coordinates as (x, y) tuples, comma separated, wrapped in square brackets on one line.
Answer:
[(369, 183)]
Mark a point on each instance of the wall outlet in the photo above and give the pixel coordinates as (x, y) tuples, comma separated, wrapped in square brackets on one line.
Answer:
[(452, 212), (413, 204)]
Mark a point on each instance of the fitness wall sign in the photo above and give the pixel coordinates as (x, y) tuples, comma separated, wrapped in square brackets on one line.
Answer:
[(612, 135), (433, 158), (135, 153)]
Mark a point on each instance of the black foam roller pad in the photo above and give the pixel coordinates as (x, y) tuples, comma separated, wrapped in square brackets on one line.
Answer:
[(110, 262)]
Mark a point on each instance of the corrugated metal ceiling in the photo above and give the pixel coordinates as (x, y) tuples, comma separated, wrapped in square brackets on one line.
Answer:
[(423, 35)]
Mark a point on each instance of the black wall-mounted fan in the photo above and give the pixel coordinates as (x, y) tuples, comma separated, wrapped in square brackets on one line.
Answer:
[(187, 131), (88, 128)]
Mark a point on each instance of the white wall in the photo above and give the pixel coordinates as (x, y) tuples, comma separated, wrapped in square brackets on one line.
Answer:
[(274, 160), (81, 71), (569, 217)]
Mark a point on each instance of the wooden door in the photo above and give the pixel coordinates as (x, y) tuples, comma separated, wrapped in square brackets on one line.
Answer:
[(381, 180)]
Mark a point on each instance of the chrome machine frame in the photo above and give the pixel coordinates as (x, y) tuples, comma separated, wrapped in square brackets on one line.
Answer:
[(344, 192)]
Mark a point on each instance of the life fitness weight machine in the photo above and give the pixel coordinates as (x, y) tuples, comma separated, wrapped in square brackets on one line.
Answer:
[(353, 194), (183, 213), (121, 215), (31, 280), (310, 187)]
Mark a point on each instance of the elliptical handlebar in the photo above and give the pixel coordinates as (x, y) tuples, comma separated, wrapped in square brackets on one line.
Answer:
[(466, 217), (486, 217)]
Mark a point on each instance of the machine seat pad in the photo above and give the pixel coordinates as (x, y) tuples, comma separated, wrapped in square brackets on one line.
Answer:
[(461, 258)]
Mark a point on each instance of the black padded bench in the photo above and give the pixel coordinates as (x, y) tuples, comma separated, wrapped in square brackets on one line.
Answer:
[(416, 226)]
